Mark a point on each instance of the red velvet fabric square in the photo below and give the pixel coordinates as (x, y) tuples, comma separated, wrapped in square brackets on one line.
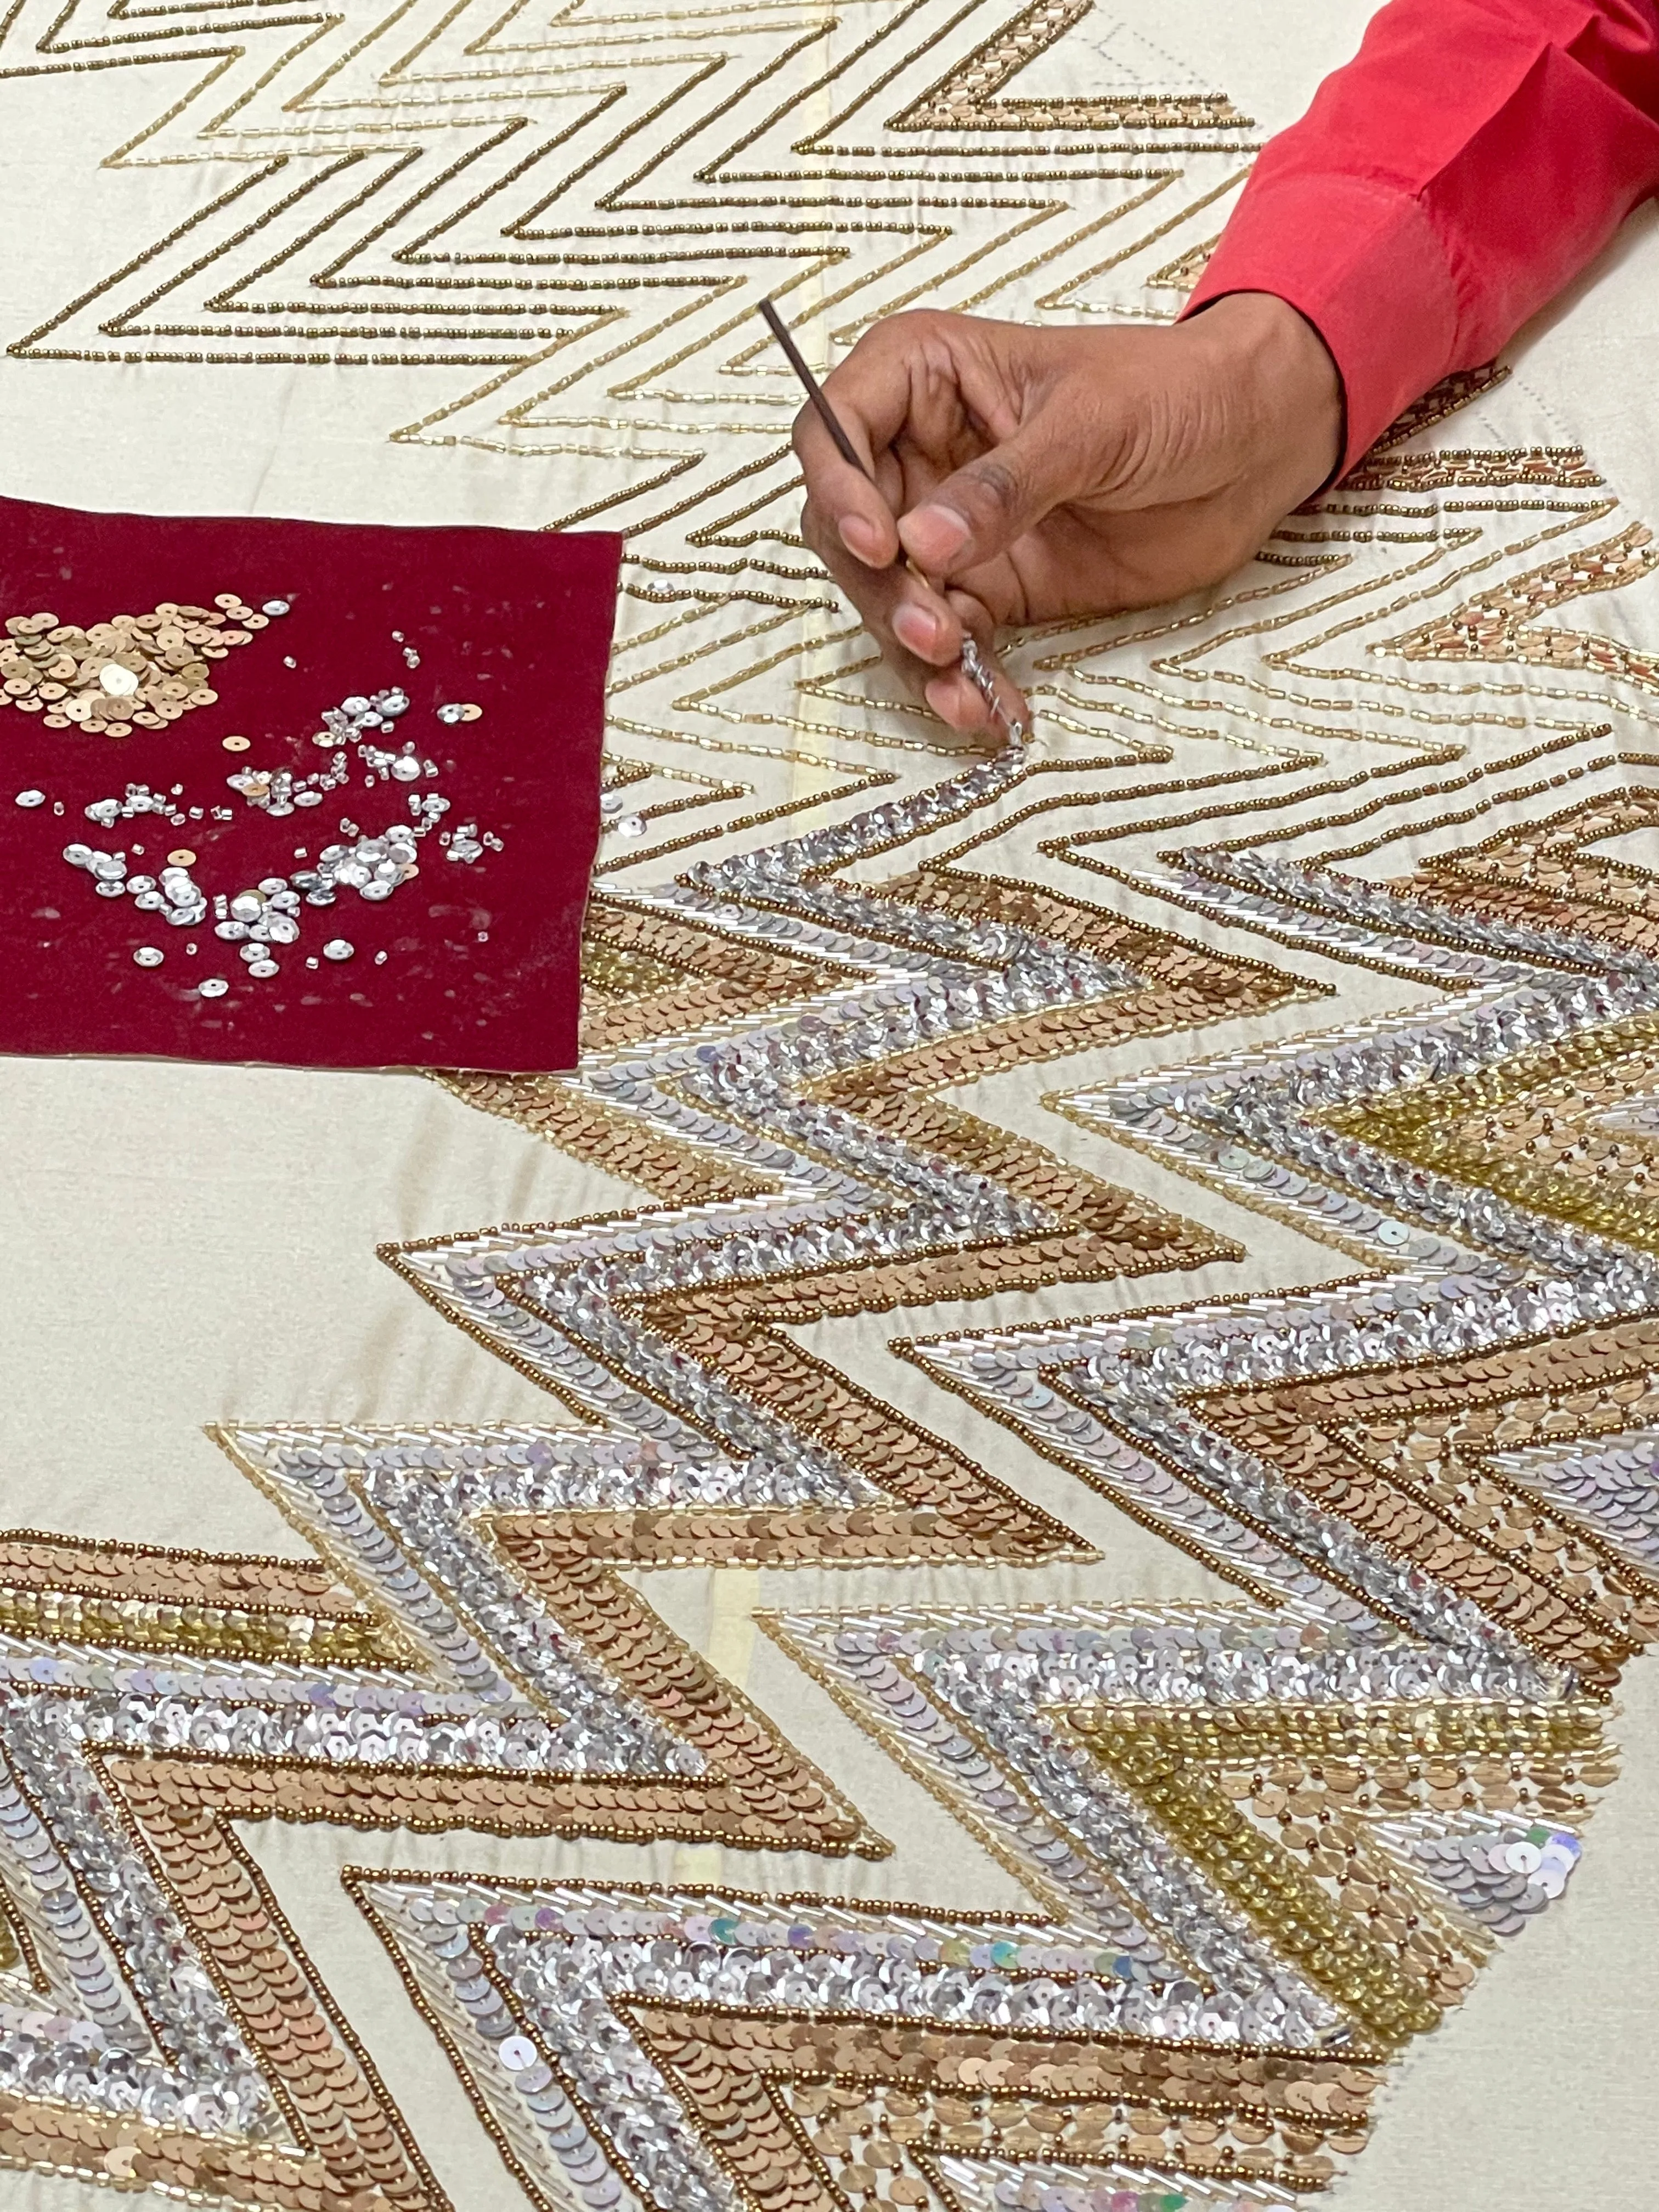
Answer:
[(470, 958)]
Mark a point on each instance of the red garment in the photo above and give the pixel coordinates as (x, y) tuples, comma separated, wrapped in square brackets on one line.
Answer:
[(1467, 162)]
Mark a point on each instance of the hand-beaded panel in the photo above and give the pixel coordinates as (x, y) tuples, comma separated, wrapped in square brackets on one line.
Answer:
[(1297, 908)]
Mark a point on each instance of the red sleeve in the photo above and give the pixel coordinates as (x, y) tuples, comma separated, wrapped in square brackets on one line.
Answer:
[(1466, 164)]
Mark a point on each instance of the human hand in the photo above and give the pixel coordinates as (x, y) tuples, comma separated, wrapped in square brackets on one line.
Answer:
[(1040, 473)]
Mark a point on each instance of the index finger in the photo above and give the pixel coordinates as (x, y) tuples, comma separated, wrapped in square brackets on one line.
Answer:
[(845, 496), (870, 395)]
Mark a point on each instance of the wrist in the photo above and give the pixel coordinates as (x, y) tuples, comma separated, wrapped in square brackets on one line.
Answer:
[(1287, 384)]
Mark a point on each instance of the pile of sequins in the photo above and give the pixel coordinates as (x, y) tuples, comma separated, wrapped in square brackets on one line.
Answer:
[(134, 670), (266, 917)]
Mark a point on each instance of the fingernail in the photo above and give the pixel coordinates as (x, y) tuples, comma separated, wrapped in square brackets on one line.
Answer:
[(859, 538), (913, 626), (946, 533)]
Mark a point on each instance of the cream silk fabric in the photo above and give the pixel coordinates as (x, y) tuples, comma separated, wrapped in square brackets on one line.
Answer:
[(188, 1246)]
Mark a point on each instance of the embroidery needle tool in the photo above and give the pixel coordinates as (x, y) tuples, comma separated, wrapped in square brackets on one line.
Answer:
[(972, 664)]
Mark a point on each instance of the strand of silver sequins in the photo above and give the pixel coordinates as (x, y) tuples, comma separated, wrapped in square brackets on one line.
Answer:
[(89, 2044)]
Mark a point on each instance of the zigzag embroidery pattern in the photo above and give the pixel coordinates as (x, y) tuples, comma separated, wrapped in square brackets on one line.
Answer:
[(1373, 814)]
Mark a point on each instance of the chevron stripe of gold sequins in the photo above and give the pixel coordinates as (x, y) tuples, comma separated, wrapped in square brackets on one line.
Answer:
[(614, 974), (131, 2154), (1542, 1128), (153, 1599), (357, 2149), (817, 2117), (684, 976), (1560, 1589), (590, 1130), (763, 1786), (1300, 1888), (1544, 873)]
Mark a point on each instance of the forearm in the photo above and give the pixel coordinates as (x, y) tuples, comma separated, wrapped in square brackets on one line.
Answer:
[(1456, 174)]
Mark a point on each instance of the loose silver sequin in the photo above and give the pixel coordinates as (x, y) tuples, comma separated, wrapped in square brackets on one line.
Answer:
[(149, 956), (275, 607), (212, 987), (339, 948), (31, 799)]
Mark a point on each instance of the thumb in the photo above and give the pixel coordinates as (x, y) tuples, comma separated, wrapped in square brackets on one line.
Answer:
[(978, 513)]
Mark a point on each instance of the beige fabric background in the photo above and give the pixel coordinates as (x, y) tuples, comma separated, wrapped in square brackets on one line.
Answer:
[(184, 1245)]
